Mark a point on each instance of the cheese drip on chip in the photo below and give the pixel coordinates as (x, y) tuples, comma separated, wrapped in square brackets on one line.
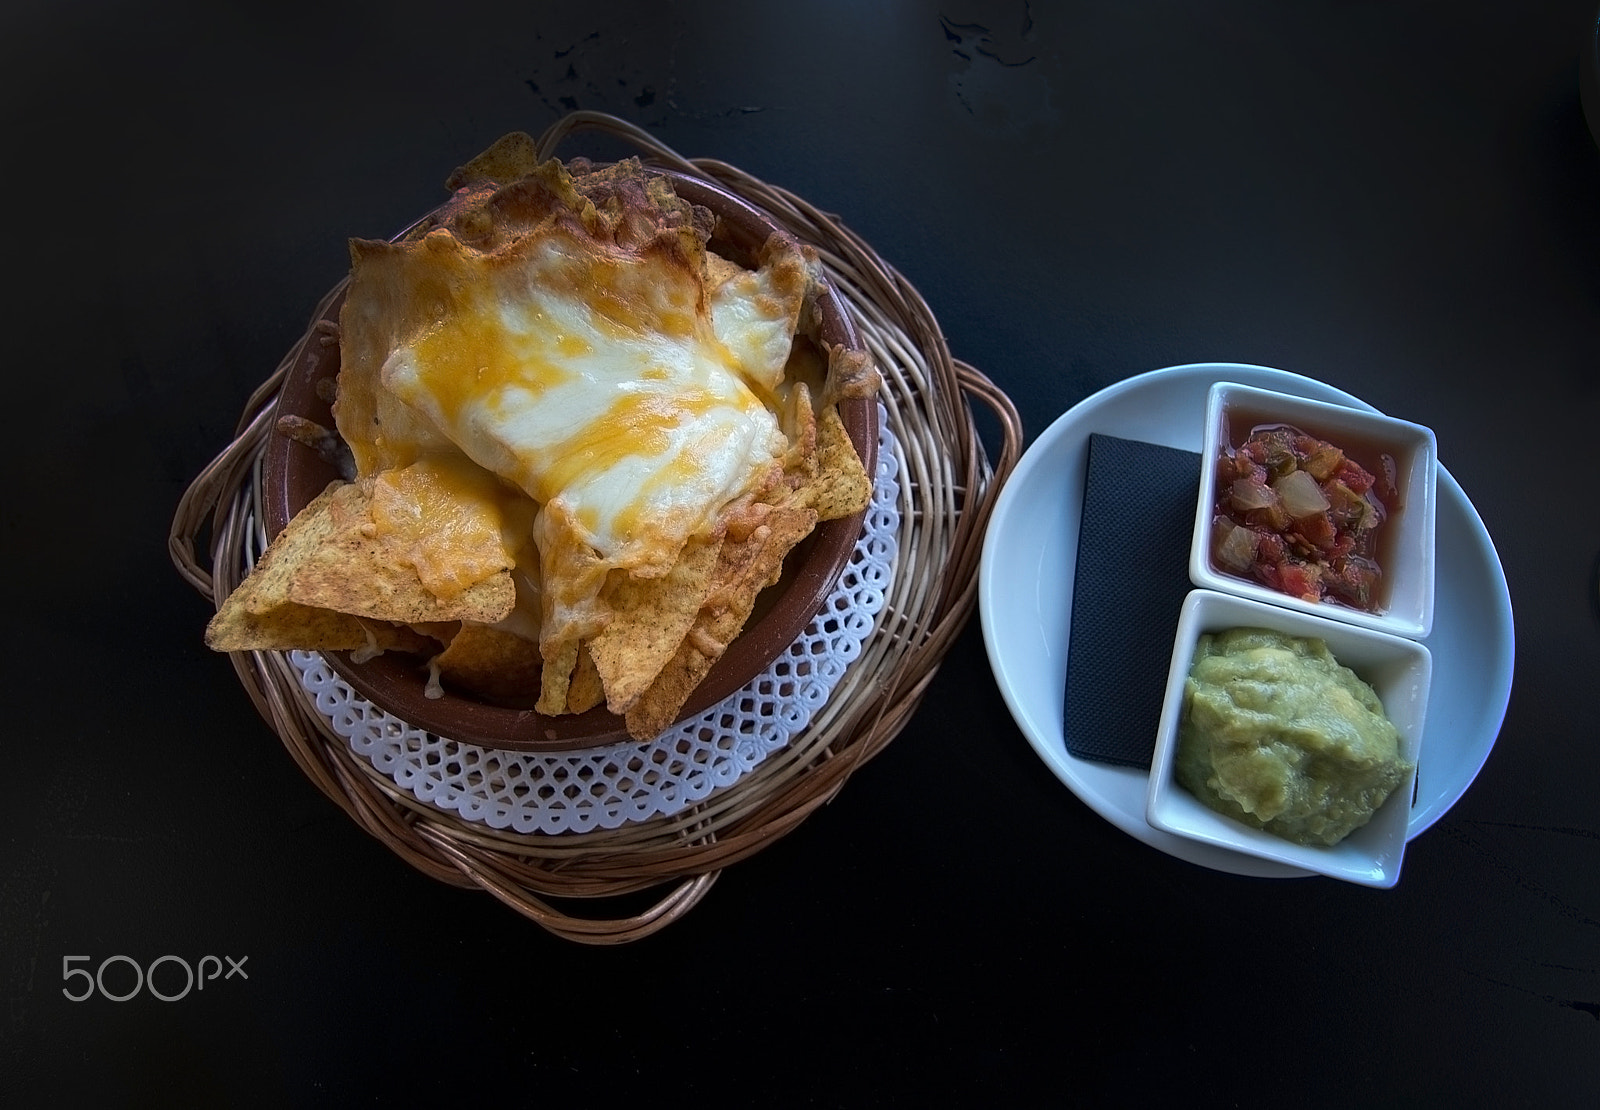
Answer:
[(451, 522)]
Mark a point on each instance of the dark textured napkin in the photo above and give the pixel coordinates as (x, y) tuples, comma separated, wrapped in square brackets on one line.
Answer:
[(1131, 579)]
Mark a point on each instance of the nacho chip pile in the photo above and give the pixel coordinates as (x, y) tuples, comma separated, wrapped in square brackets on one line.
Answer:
[(583, 444)]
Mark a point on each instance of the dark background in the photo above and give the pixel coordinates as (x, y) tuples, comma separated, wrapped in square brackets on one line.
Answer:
[(1402, 199)]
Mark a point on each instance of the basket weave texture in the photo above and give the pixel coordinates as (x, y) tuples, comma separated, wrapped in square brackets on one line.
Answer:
[(948, 488)]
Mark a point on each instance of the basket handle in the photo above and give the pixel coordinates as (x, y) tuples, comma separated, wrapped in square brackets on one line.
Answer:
[(679, 900)]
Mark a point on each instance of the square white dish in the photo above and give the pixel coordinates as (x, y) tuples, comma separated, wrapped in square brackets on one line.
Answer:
[(1398, 669), (1406, 538)]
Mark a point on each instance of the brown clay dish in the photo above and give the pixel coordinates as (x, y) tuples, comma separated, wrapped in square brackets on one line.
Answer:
[(294, 474)]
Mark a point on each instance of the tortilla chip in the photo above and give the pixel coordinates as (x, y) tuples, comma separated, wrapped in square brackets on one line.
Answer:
[(348, 571), (745, 567), (720, 270), (649, 617), (259, 616), (841, 485), (799, 422), (491, 662), (585, 691), (851, 374), (291, 627), (559, 660), (510, 156)]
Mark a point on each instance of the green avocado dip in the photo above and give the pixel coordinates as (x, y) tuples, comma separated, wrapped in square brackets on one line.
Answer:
[(1277, 734)]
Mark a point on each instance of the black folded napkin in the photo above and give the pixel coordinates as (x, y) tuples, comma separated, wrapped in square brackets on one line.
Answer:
[(1131, 579)]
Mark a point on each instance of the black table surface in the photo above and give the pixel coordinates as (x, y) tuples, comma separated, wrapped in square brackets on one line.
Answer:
[(1400, 199)]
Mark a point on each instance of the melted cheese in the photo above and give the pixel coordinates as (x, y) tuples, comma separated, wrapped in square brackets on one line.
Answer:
[(598, 385), (455, 524), (601, 384), (755, 316)]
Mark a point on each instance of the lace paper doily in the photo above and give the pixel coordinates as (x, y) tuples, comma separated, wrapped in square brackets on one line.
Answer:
[(603, 788)]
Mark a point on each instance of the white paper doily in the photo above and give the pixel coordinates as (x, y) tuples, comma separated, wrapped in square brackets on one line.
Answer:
[(603, 788)]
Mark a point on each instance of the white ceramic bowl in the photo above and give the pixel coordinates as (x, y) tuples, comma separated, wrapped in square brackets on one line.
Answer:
[(1405, 549), (1398, 670)]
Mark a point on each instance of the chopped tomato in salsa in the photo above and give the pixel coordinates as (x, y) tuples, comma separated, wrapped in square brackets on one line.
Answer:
[(1295, 513)]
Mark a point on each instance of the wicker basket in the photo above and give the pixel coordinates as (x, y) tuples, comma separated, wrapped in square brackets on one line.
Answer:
[(948, 488)]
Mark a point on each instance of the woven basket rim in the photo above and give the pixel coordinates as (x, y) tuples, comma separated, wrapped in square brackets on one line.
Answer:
[(949, 485)]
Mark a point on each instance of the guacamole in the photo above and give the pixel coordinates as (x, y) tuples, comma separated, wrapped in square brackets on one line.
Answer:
[(1277, 734)]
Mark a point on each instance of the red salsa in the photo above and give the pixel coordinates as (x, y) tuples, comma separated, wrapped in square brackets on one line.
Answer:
[(1298, 515)]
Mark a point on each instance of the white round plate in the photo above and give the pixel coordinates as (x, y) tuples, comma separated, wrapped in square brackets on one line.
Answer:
[(1025, 596)]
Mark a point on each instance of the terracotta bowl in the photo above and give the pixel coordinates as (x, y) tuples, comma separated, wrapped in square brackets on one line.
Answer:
[(294, 474)]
